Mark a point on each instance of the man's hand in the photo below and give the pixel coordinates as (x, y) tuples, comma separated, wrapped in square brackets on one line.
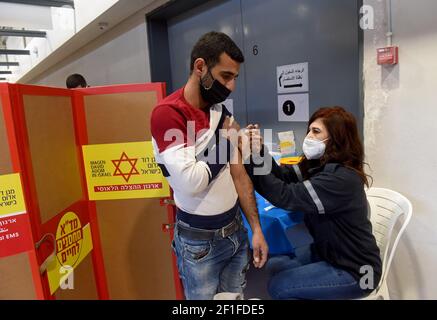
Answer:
[(260, 249)]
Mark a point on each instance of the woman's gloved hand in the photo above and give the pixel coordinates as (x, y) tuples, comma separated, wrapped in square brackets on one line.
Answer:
[(255, 138)]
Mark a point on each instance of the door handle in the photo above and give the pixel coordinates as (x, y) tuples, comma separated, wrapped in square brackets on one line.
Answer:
[(43, 267)]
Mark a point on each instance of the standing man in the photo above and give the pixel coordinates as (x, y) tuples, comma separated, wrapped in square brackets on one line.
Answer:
[(209, 182)]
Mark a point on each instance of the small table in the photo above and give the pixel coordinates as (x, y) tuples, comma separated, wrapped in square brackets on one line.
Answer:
[(274, 223)]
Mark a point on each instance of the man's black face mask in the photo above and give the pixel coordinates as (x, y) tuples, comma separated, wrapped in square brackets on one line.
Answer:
[(215, 92)]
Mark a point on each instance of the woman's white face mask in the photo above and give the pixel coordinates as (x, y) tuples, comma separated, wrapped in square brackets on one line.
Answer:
[(313, 148)]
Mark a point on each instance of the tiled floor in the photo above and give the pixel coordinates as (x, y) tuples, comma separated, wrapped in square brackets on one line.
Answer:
[(256, 284), (257, 279)]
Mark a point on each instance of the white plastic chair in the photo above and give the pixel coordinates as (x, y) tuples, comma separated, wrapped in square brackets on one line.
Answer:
[(386, 208)]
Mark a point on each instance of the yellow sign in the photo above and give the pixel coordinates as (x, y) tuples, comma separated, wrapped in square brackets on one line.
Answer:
[(123, 171), (11, 195), (73, 243)]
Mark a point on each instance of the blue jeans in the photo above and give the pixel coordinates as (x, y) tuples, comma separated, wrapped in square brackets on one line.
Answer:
[(305, 276), (207, 267)]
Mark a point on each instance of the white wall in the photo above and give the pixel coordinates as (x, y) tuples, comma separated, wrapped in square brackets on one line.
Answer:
[(17, 15), (86, 11), (119, 56), (62, 21), (400, 139)]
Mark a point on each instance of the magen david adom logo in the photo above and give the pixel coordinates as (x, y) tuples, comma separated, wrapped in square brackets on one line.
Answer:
[(69, 239)]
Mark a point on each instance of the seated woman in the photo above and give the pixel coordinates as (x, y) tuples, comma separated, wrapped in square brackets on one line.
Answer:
[(327, 185)]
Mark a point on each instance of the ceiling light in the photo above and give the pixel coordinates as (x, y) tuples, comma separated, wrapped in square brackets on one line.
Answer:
[(103, 25)]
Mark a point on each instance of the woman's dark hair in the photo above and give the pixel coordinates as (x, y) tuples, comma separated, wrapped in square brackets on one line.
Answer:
[(343, 146), (211, 45)]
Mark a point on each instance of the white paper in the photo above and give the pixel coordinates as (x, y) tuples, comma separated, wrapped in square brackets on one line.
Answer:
[(292, 78), (287, 144), (293, 107)]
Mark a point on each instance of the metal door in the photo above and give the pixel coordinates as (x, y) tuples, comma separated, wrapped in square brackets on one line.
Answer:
[(273, 33), (282, 32), (185, 29)]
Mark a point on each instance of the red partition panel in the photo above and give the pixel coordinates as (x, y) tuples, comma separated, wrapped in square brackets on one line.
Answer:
[(50, 158), (46, 129), (19, 272), (136, 262)]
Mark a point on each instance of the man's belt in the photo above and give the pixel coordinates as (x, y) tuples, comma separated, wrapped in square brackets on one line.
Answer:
[(204, 234)]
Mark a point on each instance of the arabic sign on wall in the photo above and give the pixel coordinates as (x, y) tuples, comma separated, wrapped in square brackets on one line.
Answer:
[(292, 78)]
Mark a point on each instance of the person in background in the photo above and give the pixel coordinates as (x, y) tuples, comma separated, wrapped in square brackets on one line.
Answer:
[(327, 185), (76, 81), (209, 183)]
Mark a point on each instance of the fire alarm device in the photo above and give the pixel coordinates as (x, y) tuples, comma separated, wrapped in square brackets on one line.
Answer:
[(388, 55)]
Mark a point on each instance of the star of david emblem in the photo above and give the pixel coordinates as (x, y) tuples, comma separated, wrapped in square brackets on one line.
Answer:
[(131, 162)]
